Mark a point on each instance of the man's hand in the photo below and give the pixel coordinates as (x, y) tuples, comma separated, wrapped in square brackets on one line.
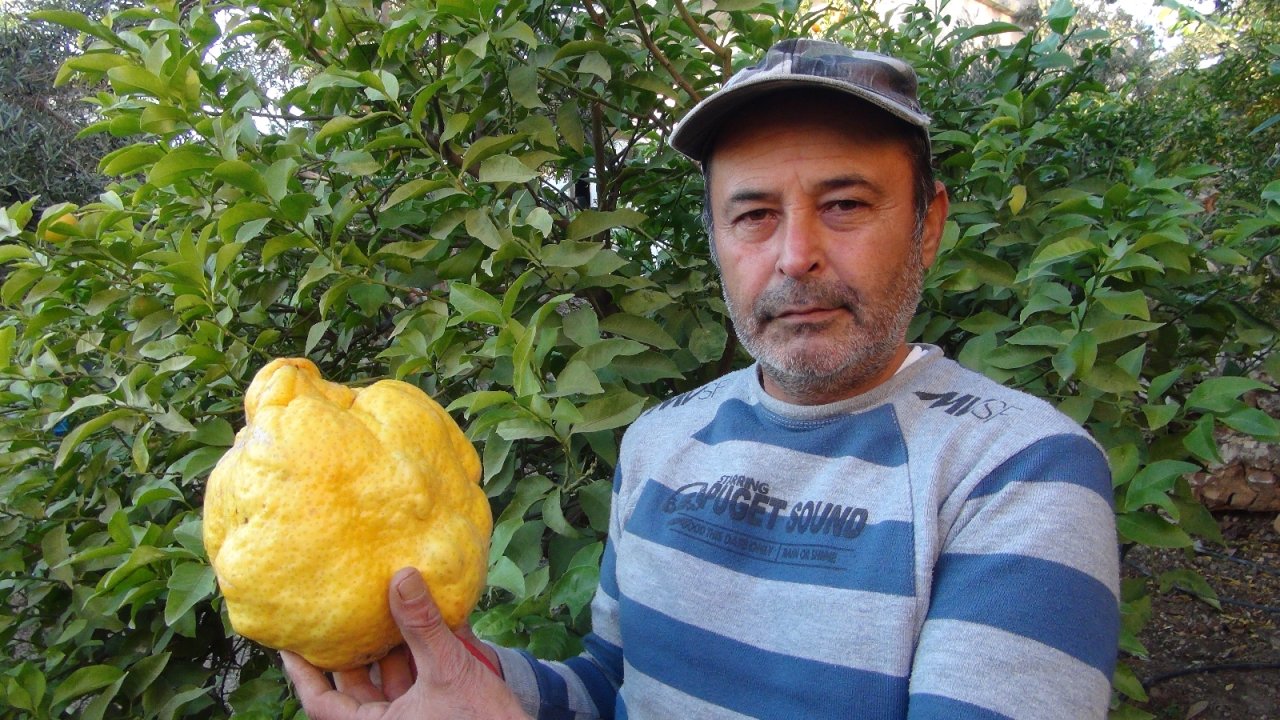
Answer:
[(451, 683)]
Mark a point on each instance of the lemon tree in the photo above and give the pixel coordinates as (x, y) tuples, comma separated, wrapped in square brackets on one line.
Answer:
[(477, 198)]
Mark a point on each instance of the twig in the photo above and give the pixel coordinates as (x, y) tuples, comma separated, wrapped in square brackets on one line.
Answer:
[(721, 53), (1223, 667), (659, 56)]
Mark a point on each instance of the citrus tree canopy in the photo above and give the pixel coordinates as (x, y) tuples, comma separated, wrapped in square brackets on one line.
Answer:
[(478, 197)]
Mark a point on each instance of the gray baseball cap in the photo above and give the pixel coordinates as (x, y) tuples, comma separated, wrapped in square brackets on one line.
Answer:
[(883, 81)]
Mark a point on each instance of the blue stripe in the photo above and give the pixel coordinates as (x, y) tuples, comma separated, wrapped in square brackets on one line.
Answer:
[(1057, 458), (873, 436), (875, 557), (936, 707), (602, 693), (753, 681), (1038, 599), (608, 660), (553, 694), (609, 570)]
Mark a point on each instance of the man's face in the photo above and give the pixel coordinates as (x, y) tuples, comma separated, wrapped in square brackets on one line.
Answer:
[(820, 252)]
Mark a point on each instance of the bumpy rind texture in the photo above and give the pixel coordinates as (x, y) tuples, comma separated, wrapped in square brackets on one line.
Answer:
[(328, 491)]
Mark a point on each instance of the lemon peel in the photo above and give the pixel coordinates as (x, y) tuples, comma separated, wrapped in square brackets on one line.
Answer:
[(327, 491)]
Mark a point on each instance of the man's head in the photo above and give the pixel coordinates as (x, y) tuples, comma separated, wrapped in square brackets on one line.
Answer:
[(822, 210)]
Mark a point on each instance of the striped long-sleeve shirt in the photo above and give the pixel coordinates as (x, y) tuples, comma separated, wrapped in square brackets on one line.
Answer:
[(940, 547)]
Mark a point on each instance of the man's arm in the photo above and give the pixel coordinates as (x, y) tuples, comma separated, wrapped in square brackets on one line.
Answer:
[(584, 687), (1024, 612)]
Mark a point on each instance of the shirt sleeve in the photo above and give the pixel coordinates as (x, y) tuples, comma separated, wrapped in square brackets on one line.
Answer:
[(1024, 614), (584, 687)]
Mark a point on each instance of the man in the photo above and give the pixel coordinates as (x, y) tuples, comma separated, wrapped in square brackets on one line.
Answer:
[(851, 527)]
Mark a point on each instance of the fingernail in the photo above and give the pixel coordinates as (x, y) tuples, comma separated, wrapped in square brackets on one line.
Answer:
[(411, 587)]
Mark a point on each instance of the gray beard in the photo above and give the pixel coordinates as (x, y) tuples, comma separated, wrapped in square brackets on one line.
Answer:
[(860, 355)]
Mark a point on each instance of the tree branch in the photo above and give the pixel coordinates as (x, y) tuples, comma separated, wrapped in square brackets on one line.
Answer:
[(721, 53), (659, 56)]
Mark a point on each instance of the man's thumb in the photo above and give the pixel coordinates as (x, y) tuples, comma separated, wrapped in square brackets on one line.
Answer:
[(437, 654)]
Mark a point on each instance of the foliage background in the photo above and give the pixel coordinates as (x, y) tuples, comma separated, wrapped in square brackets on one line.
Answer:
[(478, 197)]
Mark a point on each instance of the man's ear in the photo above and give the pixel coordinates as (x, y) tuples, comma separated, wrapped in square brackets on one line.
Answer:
[(935, 219)]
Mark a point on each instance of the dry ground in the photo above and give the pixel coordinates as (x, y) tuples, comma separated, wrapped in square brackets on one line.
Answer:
[(1209, 664)]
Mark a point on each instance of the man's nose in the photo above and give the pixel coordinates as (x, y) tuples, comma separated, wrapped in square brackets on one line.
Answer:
[(800, 252)]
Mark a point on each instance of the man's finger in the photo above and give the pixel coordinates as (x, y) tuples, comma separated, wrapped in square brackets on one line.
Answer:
[(318, 697), (397, 673), (357, 684), (439, 656)]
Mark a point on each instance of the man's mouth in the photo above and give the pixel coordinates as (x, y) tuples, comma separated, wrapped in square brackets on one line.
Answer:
[(808, 313)]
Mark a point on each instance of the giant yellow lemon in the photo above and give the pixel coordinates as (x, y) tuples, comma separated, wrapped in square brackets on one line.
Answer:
[(327, 491)]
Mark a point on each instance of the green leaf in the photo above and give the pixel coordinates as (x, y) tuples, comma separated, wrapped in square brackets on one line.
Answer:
[(1060, 15), (8, 334), (481, 227), (189, 584), (242, 175), (9, 253), (240, 213), (592, 222), (575, 588), (131, 79), (130, 159), (504, 168), (179, 164), (489, 146), (609, 412), (343, 124), (1152, 485), (1254, 422), (553, 515), (1201, 442), (1110, 378), (1116, 329), (76, 21), (638, 328), (144, 672), (1190, 581), (1151, 530), (577, 378), (600, 353), (1038, 335), (84, 681), (737, 5), (986, 322), (1127, 682), (570, 254), (707, 342), (412, 190), (506, 575), (523, 84), (1159, 415), (1065, 248), (1221, 394), (570, 126), (86, 429), (1078, 357), (474, 304)]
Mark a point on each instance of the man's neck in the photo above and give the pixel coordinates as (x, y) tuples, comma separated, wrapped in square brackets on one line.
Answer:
[(852, 383)]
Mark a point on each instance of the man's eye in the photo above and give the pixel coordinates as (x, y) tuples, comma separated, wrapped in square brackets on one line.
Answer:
[(753, 216), (845, 205)]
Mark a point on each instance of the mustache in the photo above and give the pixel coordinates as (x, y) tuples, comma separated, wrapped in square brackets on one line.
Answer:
[(791, 294)]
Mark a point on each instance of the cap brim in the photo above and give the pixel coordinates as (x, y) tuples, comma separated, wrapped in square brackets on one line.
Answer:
[(694, 133)]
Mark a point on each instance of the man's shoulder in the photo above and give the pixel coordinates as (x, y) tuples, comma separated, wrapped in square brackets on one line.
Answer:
[(948, 392), (696, 402)]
